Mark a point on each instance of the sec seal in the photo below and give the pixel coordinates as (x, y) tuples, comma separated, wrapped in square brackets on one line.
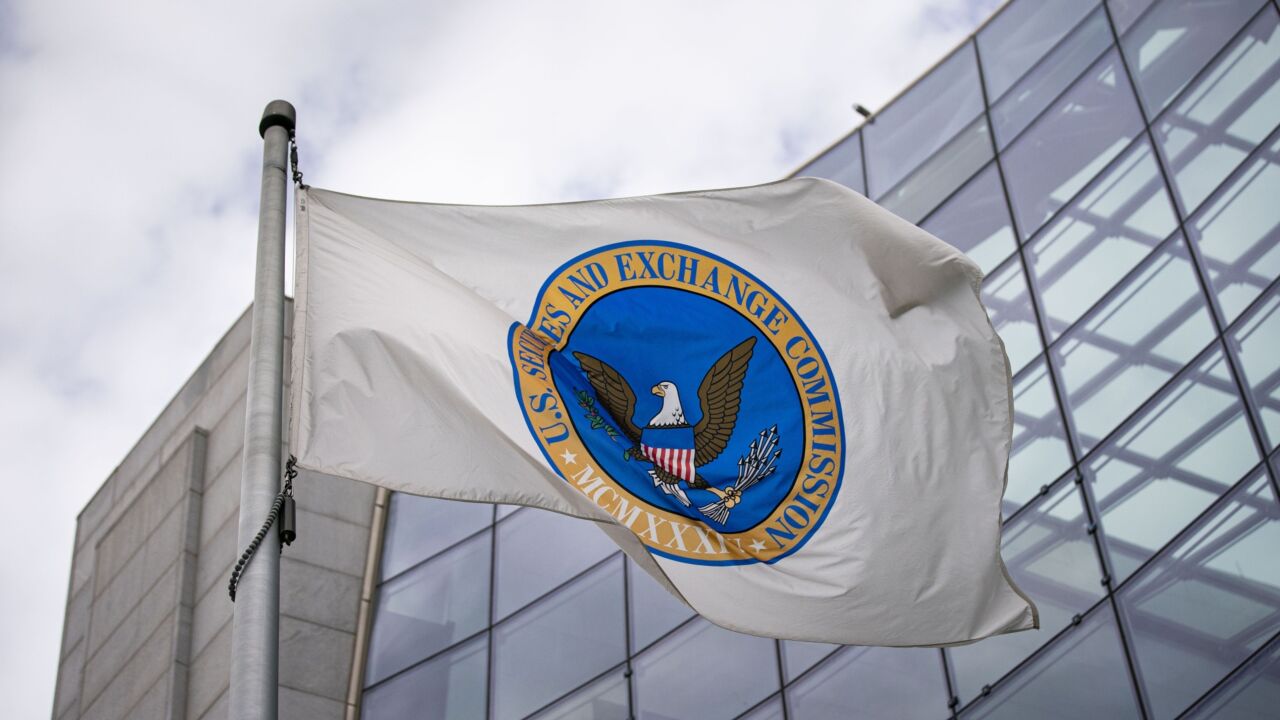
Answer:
[(683, 396)]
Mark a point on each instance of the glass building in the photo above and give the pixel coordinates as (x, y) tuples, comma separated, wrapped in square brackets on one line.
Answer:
[(1115, 170)]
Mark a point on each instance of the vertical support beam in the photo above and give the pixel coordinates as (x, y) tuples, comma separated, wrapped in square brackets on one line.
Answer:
[(255, 634)]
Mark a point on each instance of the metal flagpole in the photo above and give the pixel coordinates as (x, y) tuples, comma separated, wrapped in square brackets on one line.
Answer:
[(255, 634)]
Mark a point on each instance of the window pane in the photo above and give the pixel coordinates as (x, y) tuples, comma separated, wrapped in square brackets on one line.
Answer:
[(1076, 138), (1012, 113), (1126, 349), (560, 643), (800, 656), (429, 608), (1225, 114), (976, 221), (1052, 559), (654, 611), (842, 163), (704, 672), (923, 120), (1171, 463), (538, 550), (941, 174), (419, 527), (1238, 234), (450, 687), (872, 683), (1253, 694), (1257, 343), (604, 699), (1021, 34), (1099, 237), (1083, 675), (1040, 453), (1209, 602), (1174, 41)]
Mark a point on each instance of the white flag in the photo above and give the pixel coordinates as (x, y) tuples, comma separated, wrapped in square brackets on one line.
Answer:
[(785, 403)]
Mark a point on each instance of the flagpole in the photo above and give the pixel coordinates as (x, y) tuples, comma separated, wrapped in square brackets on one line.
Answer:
[(255, 633)]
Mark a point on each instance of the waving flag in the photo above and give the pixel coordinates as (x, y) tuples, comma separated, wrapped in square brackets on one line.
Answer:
[(786, 404)]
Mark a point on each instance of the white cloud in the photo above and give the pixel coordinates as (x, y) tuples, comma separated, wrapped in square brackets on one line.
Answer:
[(128, 188)]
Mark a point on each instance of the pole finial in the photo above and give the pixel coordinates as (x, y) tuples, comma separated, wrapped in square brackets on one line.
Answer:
[(278, 112)]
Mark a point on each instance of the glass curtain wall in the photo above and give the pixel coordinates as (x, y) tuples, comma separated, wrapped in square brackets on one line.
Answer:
[(1114, 168)]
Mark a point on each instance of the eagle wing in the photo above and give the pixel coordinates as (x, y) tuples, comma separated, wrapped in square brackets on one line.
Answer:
[(720, 394), (615, 394)]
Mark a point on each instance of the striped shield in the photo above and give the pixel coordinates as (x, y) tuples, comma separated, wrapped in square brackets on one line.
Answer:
[(670, 449)]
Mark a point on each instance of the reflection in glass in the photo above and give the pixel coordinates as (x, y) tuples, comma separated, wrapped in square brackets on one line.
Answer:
[(1253, 694), (538, 550), (1171, 463), (1142, 335), (1257, 343), (1082, 675), (1052, 559), (1013, 112), (604, 699), (1004, 293), (419, 527), (939, 176), (842, 163), (798, 657), (1125, 12), (1225, 114), (705, 672), (654, 611), (976, 221), (1168, 45), (563, 641), (449, 687), (872, 683), (921, 121), (1099, 237), (1040, 453), (1021, 34), (1206, 604), (429, 608), (1238, 233), (1079, 135)]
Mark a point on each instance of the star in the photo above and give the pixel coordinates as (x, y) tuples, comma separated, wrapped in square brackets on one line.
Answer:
[(568, 457), (757, 546)]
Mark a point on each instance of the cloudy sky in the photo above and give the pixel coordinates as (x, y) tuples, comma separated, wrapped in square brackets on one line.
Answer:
[(129, 165)]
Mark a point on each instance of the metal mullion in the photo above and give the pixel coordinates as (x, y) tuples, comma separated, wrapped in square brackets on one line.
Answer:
[(572, 579), (626, 630), (953, 697), (862, 158), (1193, 251), (1231, 675), (782, 680), (951, 195), (493, 595), (433, 656), (1045, 490), (920, 166)]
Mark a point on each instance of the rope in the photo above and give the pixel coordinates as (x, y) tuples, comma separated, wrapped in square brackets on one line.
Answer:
[(293, 162), (286, 492)]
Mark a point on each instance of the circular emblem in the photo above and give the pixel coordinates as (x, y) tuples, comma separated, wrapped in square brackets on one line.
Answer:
[(680, 394)]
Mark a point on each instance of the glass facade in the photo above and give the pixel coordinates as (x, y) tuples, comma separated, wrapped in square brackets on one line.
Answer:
[(1114, 168)]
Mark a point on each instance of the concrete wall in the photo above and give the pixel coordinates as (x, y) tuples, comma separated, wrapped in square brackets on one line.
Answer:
[(148, 622)]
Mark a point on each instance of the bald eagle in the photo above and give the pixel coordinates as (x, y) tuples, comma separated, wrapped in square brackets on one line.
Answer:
[(668, 441)]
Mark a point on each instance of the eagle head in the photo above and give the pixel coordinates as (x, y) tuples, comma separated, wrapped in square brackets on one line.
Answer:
[(671, 413)]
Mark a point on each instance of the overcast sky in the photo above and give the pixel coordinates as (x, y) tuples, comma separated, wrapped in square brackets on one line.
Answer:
[(129, 167)]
